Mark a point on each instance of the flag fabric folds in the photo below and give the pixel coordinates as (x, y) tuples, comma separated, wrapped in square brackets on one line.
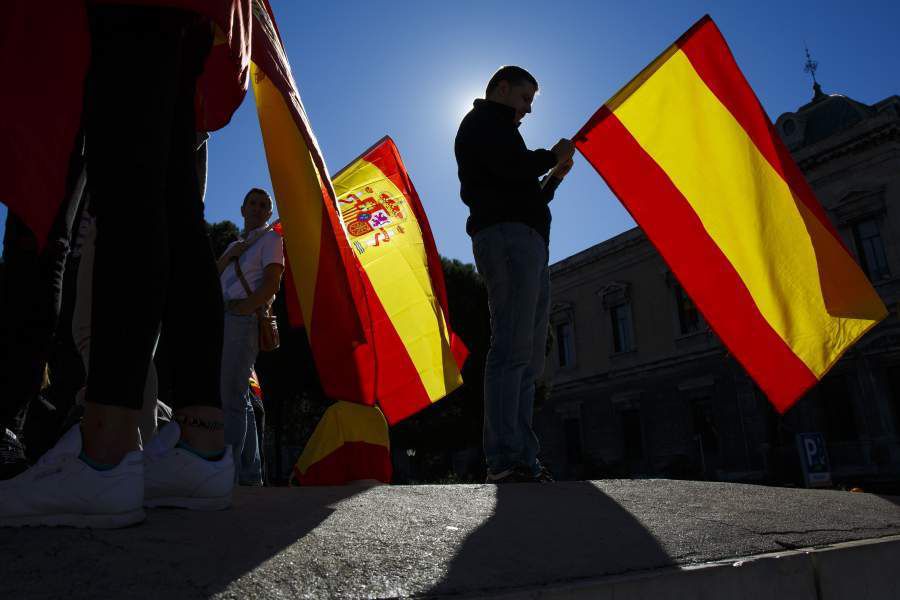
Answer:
[(367, 279), (418, 357), (325, 276), (45, 55), (350, 443), (688, 149)]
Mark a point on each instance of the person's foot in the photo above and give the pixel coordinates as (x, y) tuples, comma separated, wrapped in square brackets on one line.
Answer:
[(63, 490), (12, 455), (543, 474), (513, 475), (176, 476)]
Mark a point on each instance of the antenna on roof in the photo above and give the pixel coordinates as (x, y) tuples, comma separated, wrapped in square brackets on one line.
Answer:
[(811, 65)]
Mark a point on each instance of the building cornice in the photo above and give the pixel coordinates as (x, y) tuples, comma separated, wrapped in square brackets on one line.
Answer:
[(643, 369), (819, 154)]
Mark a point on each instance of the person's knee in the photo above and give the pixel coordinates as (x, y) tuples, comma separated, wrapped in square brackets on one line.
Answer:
[(511, 355)]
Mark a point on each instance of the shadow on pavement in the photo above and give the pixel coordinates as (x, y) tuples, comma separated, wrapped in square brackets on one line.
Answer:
[(174, 554), (540, 534), (892, 499)]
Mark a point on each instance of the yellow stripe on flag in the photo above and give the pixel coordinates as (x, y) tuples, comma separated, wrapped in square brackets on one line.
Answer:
[(747, 208), (398, 272), (295, 180), (344, 422)]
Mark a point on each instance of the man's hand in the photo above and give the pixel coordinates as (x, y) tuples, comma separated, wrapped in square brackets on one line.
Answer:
[(564, 150), (235, 251), (562, 169)]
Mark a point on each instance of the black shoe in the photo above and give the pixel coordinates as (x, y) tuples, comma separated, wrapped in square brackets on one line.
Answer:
[(513, 475), (12, 455), (544, 475)]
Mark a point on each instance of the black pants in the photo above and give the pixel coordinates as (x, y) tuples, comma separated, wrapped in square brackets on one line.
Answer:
[(30, 298), (153, 263)]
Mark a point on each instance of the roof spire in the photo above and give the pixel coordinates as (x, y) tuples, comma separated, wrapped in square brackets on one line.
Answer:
[(811, 67)]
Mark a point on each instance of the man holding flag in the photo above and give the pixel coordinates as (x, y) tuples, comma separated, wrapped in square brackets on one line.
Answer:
[(510, 227)]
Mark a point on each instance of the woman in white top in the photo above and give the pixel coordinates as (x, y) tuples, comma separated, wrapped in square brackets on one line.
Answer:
[(261, 256)]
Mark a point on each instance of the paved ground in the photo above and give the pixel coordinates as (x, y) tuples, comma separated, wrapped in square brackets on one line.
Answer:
[(431, 540)]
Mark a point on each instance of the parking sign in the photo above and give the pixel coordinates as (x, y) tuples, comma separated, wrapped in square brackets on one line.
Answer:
[(814, 458)]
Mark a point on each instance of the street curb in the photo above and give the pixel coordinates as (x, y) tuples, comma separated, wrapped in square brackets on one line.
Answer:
[(861, 570)]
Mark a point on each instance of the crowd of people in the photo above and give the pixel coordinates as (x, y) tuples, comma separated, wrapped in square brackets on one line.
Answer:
[(147, 269)]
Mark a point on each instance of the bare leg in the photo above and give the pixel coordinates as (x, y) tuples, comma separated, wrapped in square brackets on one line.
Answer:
[(202, 438), (110, 432)]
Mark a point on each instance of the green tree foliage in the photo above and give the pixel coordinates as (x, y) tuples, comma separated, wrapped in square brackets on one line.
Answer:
[(220, 235)]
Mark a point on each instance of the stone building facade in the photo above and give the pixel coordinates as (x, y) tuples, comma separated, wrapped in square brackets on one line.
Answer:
[(639, 385)]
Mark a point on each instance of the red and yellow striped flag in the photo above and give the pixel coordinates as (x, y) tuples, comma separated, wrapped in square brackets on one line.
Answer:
[(324, 272), (350, 443), (418, 357), (688, 149), (368, 280)]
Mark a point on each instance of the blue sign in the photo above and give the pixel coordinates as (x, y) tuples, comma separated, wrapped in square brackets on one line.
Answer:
[(814, 459)]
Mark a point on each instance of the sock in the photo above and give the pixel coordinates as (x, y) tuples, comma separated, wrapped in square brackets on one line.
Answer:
[(205, 455), (97, 466)]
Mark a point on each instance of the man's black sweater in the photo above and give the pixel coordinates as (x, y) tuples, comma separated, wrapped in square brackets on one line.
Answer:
[(499, 177)]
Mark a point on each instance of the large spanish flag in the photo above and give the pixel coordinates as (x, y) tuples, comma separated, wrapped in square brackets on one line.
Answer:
[(688, 149), (372, 300), (418, 357), (325, 274)]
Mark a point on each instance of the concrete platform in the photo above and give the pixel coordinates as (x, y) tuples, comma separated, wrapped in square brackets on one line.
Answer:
[(609, 539)]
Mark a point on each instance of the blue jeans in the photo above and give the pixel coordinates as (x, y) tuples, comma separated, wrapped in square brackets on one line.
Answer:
[(241, 345), (512, 259), (251, 462)]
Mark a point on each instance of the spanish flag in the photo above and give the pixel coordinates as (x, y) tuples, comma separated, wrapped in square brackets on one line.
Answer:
[(325, 275), (350, 443), (363, 264), (688, 149), (45, 55), (418, 357)]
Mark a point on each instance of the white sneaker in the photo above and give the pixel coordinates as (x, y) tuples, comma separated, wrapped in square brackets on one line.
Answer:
[(61, 489), (178, 478)]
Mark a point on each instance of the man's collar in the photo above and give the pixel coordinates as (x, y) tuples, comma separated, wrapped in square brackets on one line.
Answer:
[(501, 110), (246, 235)]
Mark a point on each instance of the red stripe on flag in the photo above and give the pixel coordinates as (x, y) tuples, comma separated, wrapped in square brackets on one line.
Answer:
[(674, 228), (343, 360), (711, 58), (399, 387), (352, 461), (385, 155)]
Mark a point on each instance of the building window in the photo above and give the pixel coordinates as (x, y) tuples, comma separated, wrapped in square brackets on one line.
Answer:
[(623, 333), (870, 249), (632, 434), (688, 316), (565, 346), (572, 429), (837, 406)]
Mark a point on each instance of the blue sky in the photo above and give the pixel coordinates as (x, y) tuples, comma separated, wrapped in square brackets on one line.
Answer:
[(411, 70)]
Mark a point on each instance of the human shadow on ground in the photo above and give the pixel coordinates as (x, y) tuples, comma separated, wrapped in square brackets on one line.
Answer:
[(174, 554), (544, 534), (892, 499)]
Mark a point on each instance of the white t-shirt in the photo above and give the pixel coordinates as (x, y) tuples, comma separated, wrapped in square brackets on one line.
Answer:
[(266, 251)]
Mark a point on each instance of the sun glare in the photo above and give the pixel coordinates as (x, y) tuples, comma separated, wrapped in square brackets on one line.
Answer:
[(463, 103)]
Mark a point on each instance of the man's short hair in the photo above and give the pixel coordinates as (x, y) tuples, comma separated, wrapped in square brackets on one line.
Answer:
[(257, 191), (513, 74)]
